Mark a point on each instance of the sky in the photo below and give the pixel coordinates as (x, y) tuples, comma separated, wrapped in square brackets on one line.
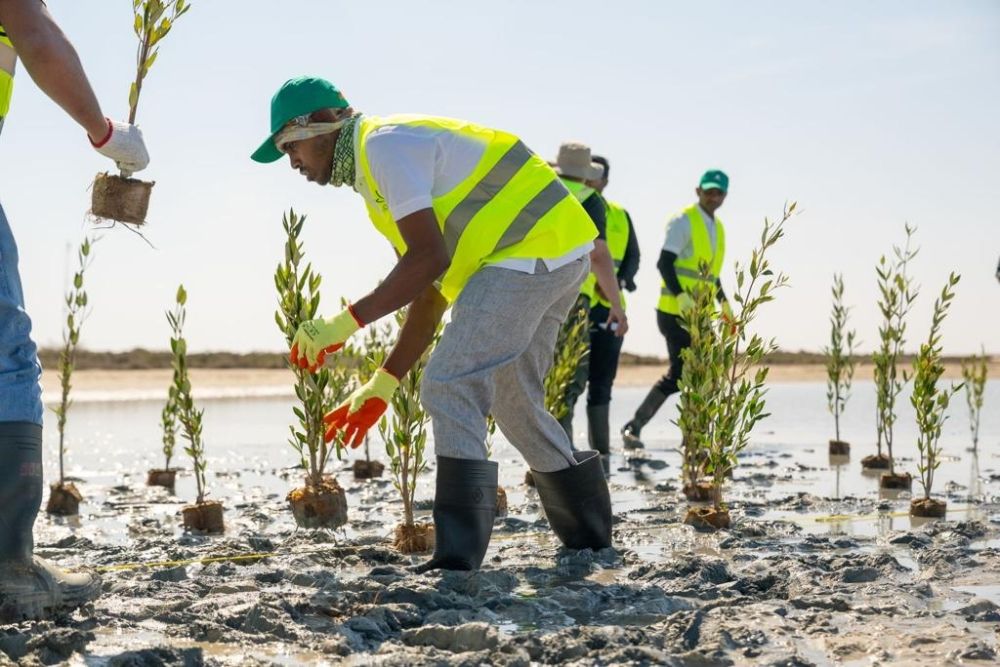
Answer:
[(868, 115)]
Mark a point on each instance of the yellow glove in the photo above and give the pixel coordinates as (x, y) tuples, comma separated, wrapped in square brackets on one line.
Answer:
[(317, 338), (362, 408)]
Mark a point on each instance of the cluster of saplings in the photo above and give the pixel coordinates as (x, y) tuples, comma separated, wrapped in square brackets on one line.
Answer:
[(928, 396)]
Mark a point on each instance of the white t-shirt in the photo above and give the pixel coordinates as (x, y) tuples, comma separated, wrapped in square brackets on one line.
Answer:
[(414, 164), (679, 234)]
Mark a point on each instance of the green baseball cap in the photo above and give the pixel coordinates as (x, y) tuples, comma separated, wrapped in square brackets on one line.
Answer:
[(296, 97), (713, 179)]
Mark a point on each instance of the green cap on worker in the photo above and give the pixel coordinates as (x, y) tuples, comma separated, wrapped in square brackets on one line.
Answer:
[(714, 179), (297, 97)]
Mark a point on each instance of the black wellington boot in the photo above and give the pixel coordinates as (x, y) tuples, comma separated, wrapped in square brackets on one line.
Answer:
[(577, 502), (464, 509), (30, 588), (647, 409), (598, 428)]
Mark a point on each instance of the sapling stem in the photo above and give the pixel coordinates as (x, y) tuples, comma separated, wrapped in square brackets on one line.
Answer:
[(840, 360), (77, 311), (930, 402), (974, 371)]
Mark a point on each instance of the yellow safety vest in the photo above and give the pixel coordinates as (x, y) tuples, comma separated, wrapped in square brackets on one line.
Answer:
[(689, 269), (617, 232), (512, 205), (582, 193), (8, 59)]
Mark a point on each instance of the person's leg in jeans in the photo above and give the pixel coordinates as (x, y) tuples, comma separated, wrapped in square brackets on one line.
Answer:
[(605, 348), (677, 339), (29, 587)]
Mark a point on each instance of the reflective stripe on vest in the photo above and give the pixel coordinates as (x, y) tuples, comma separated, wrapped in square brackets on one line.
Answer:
[(617, 232), (8, 61), (688, 269), (512, 205)]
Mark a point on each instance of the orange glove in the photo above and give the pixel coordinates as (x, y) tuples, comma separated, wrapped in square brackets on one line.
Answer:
[(317, 338), (362, 408)]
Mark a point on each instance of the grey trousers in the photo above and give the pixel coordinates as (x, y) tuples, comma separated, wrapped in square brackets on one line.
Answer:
[(493, 358)]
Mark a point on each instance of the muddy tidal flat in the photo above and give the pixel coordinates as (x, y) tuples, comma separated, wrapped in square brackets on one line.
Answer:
[(819, 568)]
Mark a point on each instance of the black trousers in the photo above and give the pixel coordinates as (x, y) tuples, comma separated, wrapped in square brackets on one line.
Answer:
[(605, 348), (596, 372), (677, 339)]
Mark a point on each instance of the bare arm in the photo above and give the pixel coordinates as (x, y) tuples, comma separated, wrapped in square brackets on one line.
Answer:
[(52, 62), (425, 260), (418, 331)]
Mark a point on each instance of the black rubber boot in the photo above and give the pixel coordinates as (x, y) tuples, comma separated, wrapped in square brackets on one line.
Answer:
[(20, 488), (30, 588), (598, 429), (577, 502), (647, 409), (464, 509)]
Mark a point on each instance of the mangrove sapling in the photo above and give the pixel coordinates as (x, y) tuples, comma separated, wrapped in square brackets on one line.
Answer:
[(974, 370), (321, 502), (896, 296), (572, 344), (930, 403), (122, 198), (375, 347), (166, 476), (203, 516), (724, 399), (840, 363), (701, 381), (405, 437), (64, 497)]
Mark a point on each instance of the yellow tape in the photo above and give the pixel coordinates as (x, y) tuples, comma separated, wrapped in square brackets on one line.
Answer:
[(190, 561), (836, 518)]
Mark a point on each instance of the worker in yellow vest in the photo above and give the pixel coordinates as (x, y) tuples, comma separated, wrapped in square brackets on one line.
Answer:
[(605, 345), (31, 587), (482, 224), (695, 236), (579, 173)]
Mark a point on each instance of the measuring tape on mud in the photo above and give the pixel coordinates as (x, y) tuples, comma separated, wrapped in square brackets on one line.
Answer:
[(851, 518)]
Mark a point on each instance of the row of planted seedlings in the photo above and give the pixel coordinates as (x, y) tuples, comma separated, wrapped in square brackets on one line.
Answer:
[(929, 398)]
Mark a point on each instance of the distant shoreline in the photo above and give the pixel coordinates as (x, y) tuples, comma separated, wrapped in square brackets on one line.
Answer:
[(92, 385), (140, 359)]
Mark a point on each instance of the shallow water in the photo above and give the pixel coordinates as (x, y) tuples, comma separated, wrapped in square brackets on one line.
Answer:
[(795, 513)]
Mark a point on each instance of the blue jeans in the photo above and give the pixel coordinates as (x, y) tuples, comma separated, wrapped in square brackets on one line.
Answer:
[(20, 391)]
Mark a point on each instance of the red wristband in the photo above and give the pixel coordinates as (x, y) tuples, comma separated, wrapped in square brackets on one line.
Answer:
[(350, 309), (107, 137)]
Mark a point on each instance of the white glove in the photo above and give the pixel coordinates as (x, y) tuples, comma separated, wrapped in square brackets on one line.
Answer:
[(124, 144)]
